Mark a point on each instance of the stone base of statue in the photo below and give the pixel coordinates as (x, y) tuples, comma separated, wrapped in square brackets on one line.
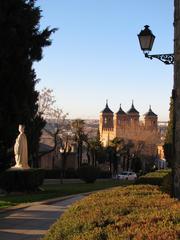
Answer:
[(18, 179), (19, 168)]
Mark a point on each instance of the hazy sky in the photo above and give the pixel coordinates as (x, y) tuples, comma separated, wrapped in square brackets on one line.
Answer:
[(95, 55)]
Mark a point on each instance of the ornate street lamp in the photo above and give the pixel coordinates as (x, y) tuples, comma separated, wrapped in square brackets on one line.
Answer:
[(169, 59), (146, 40)]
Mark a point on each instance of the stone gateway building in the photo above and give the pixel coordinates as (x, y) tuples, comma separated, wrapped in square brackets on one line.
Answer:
[(127, 126)]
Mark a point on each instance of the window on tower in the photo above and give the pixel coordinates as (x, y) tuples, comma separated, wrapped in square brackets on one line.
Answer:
[(105, 120)]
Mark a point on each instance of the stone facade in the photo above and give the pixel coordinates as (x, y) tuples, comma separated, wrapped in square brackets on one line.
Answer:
[(128, 127)]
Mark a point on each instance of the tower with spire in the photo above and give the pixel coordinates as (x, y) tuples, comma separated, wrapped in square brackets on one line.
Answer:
[(150, 120), (127, 125), (106, 120), (120, 120), (133, 116)]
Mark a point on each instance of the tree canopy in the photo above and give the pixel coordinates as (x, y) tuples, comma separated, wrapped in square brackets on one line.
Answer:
[(22, 44), (168, 143)]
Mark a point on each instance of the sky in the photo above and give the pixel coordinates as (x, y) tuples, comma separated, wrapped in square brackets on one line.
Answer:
[(95, 55)]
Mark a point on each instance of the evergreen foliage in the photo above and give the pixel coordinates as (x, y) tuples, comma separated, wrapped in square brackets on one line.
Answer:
[(79, 137), (21, 180), (21, 43), (168, 144), (95, 149), (154, 178), (88, 174), (135, 212)]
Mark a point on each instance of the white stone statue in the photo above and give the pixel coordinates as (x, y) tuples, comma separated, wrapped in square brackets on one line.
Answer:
[(21, 150)]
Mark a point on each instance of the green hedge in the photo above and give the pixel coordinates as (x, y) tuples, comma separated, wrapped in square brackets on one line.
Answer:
[(56, 173), (167, 183), (104, 174), (21, 180), (71, 173), (134, 212), (89, 174), (153, 178)]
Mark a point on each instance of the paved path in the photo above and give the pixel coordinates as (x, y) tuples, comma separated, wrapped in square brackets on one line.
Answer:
[(33, 221)]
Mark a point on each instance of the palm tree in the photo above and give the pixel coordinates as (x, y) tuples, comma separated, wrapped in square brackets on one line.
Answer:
[(127, 153), (115, 148), (80, 136), (65, 150), (94, 147), (136, 163)]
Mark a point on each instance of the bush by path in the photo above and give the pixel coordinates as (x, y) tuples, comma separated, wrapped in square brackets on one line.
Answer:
[(23, 180), (153, 178), (134, 212)]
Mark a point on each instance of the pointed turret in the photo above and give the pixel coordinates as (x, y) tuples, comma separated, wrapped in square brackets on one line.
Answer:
[(120, 119), (133, 116), (120, 111), (132, 110), (106, 118), (106, 109), (150, 113), (150, 119)]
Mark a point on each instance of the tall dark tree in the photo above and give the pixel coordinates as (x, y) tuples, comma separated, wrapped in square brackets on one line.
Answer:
[(94, 149), (21, 43), (168, 143), (117, 145), (79, 137)]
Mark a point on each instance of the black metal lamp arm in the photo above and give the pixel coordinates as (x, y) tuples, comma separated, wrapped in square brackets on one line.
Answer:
[(165, 58)]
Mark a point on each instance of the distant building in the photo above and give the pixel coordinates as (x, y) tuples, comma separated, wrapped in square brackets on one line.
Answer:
[(47, 153), (50, 157), (46, 156), (126, 125)]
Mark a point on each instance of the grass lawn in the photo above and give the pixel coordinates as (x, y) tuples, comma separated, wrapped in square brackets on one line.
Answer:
[(58, 190)]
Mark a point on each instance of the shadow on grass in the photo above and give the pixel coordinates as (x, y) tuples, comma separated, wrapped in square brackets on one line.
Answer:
[(59, 190)]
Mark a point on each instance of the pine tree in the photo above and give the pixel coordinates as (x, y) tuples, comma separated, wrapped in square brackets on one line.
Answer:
[(21, 43)]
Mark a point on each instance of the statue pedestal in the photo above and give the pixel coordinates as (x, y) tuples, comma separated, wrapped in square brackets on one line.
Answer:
[(19, 168), (21, 180)]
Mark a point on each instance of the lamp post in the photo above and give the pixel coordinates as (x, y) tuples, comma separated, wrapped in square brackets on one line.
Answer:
[(146, 40)]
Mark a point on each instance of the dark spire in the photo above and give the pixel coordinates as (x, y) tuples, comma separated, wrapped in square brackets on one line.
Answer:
[(120, 111), (150, 113), (107, 109), (132, 110)]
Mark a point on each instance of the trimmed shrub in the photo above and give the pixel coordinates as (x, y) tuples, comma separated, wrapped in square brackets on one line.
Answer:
[(134, 212), (52, 173), (104, 174), (56, 173), (21, 180), (167, 183), (88, 174), (70, 173), (153, 178)]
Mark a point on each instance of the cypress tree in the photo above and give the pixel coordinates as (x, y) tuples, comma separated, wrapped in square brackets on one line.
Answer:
[(21, 43), (168, 143)]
